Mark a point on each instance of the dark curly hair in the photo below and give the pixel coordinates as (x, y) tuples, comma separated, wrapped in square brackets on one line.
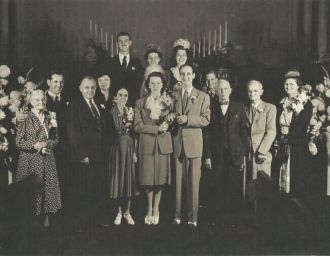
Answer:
[(155, 74)]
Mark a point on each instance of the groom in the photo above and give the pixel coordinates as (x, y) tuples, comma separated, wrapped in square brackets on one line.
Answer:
[(193, 108)]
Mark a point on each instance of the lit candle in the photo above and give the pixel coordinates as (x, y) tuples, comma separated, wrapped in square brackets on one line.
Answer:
[(209, 51), (194, 51), (106, 40), (111, 45), (117, 47), (199, 49), (101, 35), (220, 33), (226, 35), (90, 29), (95, 32), (215, 40), (204, 46)]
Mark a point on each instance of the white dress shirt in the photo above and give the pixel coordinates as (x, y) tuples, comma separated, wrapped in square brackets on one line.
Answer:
[(97, 109), (121, 57)]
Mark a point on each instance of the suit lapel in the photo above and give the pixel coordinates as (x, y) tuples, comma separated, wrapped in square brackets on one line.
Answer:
[(231, 113), (248, 117), (189, 104), (260, 109)]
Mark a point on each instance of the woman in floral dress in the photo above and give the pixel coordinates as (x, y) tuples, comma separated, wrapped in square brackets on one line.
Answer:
[(155, 144), (35, 140), (122, 179)]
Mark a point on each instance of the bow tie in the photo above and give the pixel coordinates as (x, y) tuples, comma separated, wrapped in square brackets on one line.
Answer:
[(223, 103)]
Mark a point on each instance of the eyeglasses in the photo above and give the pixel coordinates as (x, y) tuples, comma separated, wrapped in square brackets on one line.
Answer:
[(123, 95)]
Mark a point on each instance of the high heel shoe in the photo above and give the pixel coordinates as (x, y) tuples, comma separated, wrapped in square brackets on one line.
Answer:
[(148, 220), (155, 219)]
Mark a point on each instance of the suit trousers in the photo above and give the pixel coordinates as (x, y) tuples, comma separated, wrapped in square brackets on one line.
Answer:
[(188, 174)]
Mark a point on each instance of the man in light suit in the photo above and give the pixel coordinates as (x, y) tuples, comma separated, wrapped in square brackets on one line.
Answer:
[(193, 109), (261, 125), (85, 133), (126, 71), (225, 141)]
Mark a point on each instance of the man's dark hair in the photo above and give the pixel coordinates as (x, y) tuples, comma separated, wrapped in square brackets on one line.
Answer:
[(123, 34)]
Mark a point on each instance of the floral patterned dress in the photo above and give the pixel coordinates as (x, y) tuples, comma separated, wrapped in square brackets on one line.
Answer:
[(29, 132), (122, 175)]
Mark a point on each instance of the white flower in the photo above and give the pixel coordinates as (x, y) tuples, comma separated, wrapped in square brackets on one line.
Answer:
[(313, 121), (2, 115), (297, 107), (312, 148), (21, 80), (327, 93), (182, 42), (3, 130), (30, 86), (323, 118), (129, 113), (308, 88), (193, 99), (320, 88), (53, 123), (133, 68), (4, 101), (102, 106), (3, 81), (4, 71), (303, 97)]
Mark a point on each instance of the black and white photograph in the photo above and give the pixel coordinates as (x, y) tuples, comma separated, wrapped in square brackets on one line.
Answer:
[(164, 127)]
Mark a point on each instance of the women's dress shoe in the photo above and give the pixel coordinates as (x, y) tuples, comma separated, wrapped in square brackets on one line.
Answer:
[(118, 219), (129, 219), (155, 219), (148, 220)]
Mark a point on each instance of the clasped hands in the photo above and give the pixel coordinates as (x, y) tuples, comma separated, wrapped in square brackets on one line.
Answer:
[(41, 147)]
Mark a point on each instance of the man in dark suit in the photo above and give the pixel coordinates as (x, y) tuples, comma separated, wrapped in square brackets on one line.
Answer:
[(85, 130), (225, 144), (125, 69), (58, 103)]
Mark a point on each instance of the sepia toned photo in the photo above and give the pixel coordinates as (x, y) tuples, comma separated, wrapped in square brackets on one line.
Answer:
[(164, 127)]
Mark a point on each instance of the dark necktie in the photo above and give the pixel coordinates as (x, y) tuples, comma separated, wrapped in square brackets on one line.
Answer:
[(124, 63), (94, 110), (184, 100)]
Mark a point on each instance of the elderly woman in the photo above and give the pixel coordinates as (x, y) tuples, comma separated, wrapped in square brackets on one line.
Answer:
[(155, 145), (122, 180), (36, 139)]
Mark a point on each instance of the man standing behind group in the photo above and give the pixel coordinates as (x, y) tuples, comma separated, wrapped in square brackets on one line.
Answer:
[(261, 124), (193, 108), (85, 131), (225, 145), (125, 69), (58, 103)]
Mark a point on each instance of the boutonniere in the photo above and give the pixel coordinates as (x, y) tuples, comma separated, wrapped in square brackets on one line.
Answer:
[(193, 99), (133, 68), (102, 106), (52, 121), (260, 110), (67, 103)]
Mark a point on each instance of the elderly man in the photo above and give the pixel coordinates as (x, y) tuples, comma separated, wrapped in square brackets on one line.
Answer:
[(261, 125), (85, 130), (225, 146), (193, 108)]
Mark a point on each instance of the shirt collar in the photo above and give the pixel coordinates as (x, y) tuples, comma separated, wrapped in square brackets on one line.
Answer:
[(121, 57), (53, 96), (188, 90)]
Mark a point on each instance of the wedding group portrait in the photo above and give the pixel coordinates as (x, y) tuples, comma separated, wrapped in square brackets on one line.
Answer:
[(153, 127)]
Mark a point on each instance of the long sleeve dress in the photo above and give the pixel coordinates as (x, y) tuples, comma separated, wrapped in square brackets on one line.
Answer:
[(31, 131), (122, 173)]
